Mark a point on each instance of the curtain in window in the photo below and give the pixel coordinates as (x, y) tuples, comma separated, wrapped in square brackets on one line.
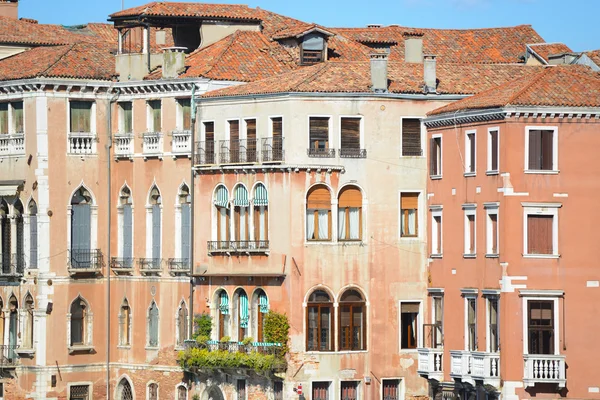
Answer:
[(262, 223), (223, 221), (224, 303), (310, 224), (354, 223), (341, 223), (323, 224)]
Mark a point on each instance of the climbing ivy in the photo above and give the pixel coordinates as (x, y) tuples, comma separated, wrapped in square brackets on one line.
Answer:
[(276, 329)]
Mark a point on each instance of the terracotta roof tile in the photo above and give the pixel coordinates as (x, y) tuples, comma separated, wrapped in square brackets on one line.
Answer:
[(299, 30), (552, 86), (594, 55), (544, 50), (198, 10)]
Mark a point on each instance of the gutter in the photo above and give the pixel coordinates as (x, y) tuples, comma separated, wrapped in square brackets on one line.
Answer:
[(361, 95)]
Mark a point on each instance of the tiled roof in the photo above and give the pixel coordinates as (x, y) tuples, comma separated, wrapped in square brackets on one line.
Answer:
[(297, 31), (594, 55), (355, 77), (198, 10), (544, 50), (553, 86), (79, 61)]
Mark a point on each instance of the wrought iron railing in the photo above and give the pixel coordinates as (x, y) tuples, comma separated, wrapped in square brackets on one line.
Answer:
[(8, 356), (321, 153), (179, 265), (150, 264), (238, 151), (272, 149), (86, 259), (353, 153), (121, 264), (205, 153), (244, 246)]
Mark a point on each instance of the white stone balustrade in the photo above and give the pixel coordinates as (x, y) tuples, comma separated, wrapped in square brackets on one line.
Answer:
[(123, 143), (544, 368), (12, 145), (431, 363), (181, 142), (152, 144), (82, 143)]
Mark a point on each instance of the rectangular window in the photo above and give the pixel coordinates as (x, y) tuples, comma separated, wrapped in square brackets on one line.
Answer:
[(278, 390), (185, 110), (208, 151), (250, 145), (81, 116), (241, 389), (540, 326), (493, 328), (3, 118), (541, 150), (155, 117), (493, 150), (471, 324), (320, 390), (318, 135), (350, 137), (409, 321), (234, 142), (470, 232), (540, 234), (411, 137), (492, 231), (436, 157), (390, 389), (409, 214), (17, 117), (436, 232), (126, 120), (349, 390), (79, 392), (437, 338), (470, 156)]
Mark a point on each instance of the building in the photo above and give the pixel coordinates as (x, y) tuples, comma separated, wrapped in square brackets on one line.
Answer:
[(512, 289)]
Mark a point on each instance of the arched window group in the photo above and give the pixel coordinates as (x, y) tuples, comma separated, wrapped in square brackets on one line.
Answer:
[(320, 214), (243, 317), (351, 321), (12, 214)]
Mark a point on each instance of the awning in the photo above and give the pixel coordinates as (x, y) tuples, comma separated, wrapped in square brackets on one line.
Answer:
[(10, 187), (241, 197), (243, 310), (221, 197), (263, 303), (224, 306), (260, 195)]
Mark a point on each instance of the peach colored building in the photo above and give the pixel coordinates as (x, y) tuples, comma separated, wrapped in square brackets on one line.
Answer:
[(511, 285)]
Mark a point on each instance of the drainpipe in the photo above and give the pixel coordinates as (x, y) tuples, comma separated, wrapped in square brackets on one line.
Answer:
[(192, 207), (109, 205)]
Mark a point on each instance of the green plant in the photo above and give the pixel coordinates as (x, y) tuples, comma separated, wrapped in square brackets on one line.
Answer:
[(247, 340), (225, 339), (201, 339), (196, 397), (276, 329), (206, 359), (202, 325)]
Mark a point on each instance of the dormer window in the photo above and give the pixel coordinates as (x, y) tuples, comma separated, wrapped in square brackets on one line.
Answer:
[(312, 49)]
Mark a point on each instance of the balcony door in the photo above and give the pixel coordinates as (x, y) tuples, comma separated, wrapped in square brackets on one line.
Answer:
[(541, 326)]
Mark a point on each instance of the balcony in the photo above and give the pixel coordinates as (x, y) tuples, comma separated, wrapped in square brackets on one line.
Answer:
[(8, 357), (123, 145), (150, 266), (82, 143), (205, 153), (12, 266), (353, 153), (486, 367), (242, 151), (181, 143), (544, 368), (85, 262), (238, 247), (431, 363), (321, 153), (12, 145), (272, 150), (152, 144), (179, 266), (121, 266), (461, 365)]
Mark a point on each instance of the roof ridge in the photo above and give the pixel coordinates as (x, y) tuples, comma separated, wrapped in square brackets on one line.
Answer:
[(218, 59), (534, 80)]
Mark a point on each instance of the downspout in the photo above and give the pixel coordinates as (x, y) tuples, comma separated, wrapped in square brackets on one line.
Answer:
[(109, 205), (192, 207)]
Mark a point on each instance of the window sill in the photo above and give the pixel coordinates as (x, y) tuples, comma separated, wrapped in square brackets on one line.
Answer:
[(124, 347), (435, 177), (491, 173), (435, 255), (541, 172), (342, 352), (28, 352), (469, 255), (81, 349), (410, 238), (494, 255), (409, 351), (543, 256), (152, 348), (469, 174)]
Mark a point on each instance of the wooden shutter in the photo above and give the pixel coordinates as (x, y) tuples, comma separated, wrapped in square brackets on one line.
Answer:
[(350, 197), (494, 151), (127, 117), (185, 231), (539, 234), (155, 109), (186, 113), (319, 132), (80, 227), (535, 150), (33, 241), (156, 231), (319, 198), (277, 126), (411, 137), (74, 115), (234, 130), (3, 118), (434, 154), (209, 131), (350, 133), (547, 150), (438, 221), (127, 232), (250, 129), (409, 201), (18, 117)]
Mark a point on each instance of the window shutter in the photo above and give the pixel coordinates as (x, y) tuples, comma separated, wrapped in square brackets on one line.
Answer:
[(127, 232), (350, 197), (411, 137), (74, 116), (153, 325), (350, 133), (3, 118), (319, 132), (234, 130), (186, 113), (17, 117), (156, 231), (494, 223), (409, 201), (33, 236), (494, 150), (535, 150), (250, 129), (410, 307), (433, 155), (80, 227), (277, 126), (472, 152), (319, 198), (185, 231), (539, 234), (209, 131), (156, 117), (471, 219), (547, 150), (127, 117)]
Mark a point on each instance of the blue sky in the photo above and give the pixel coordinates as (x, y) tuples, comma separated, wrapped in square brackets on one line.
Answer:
[(574, 22)]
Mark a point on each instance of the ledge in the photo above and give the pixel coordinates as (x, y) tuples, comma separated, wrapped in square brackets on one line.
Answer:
[(491, 173), (25, 352), (542, 256), (81, 349), (541, 172)]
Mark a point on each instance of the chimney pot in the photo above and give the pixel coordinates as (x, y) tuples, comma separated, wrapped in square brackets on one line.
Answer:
[(379, 72), (413, 49), (173, 61), (429, 73)]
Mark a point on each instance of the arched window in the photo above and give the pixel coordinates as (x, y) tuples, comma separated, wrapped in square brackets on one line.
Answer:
[(260, 306), (153, 391), (181, 392), (319, 322), (20, 228), (182, 317), (318, 213), (240, 213), (223, 314), (352, 321), (28, 325), (261, 214), (81, 222), (125, 324), (153, 325), (221, 201), (155, 204), (241, 313), (33, 235), (185, 200), (124, 391), (350, 214), (79, 314), (5, 232), (13, 326), (126, 225)]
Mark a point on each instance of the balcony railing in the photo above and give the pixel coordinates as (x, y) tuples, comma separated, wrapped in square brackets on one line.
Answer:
[(272, 149), (431, 363), (321, 153), (544, 368), (205, 153), (84, 261), (12, 265), (179, 266), (12, 145), (121, 265), (149, 266), (353, 153), (486, 367), (244, 246), (123, 145), (82, 143), (181, 142), (242, 151), (8, 356), (461, 364), (152, 145)]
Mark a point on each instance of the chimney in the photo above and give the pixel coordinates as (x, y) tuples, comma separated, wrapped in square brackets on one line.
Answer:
[(413, 48), (379, 72), (9, 9), (173, 62), (429, 74)]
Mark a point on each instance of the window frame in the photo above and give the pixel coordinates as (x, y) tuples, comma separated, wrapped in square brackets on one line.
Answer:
[(437, 231), (541, 209), (363, 305), (422, 135), (361, 233), (400, 386), (330, 221), (330, 144), (92, 117), (177, 388), (492, 209), (419, 215), (439, 162), (489, 297), (351, 381), (361, 130), (121, 128), (470, 295), (419, 328), (180, 123), (10, 117), (148, 384), (330, 386), (554, 169), (319, 305), (490, 170), (470, 210), (89, 384), (148, 345), (470, 151), (150, 116), (541, 296)]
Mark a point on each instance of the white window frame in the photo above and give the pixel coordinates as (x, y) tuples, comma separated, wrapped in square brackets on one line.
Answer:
[(541, 295), (468, 161), (440, 166), (360, 133), (270, 130), (489, 295), (401, 390), (92, 125), (89, 384), (330, 134), (420, 215), (157, 389), (423, 134), (179, 112), (470, 210), (121, 221), (93, 218), (470, 294), (491, 209), (436, 211), (419, 326), (150, 120), (541, 209), (203, 130), (122, 117), (241, 130), (187, 391), (554, 130), (88, 329), (491, 171), (436, 293)]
